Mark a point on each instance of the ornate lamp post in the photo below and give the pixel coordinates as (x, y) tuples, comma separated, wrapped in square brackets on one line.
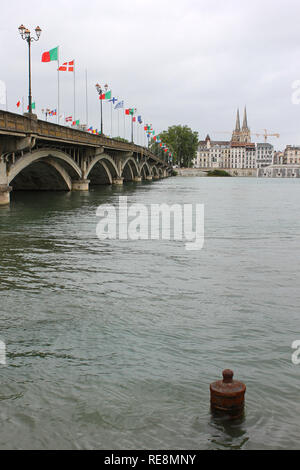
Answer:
[(25, 34), (46, 112), (100, 92)]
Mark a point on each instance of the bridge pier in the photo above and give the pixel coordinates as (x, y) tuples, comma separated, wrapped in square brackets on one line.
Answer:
[(5, 194), (149, 178), (137, 179), (80, 185), (156, 177), (118, 181)]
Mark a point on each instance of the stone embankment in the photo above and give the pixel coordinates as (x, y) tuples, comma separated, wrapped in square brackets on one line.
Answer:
[(203, 171)]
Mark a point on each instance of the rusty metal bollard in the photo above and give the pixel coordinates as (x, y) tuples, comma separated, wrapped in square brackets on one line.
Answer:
[(227, 396)]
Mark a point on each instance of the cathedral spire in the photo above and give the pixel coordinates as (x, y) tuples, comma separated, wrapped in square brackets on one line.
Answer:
[(238, 125), (245, 123)]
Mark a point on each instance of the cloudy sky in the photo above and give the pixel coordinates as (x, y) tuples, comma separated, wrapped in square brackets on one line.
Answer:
[(177, 61)]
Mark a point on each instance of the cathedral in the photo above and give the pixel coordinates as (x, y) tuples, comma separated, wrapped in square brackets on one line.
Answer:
[(237, 153), (241, 135)]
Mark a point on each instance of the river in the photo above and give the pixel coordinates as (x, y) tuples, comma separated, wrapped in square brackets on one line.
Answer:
[(112, 344)]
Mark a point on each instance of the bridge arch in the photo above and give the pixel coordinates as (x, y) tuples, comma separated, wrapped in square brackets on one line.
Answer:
[(102, 170), (160, 172), (46, 169), (61, 170), (145, 170), (154, 170), (130, 169)]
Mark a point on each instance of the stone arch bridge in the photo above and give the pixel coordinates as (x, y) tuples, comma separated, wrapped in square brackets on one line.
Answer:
[(39, 155)]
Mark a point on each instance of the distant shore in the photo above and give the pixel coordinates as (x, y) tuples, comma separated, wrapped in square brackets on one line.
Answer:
[(203, 172)]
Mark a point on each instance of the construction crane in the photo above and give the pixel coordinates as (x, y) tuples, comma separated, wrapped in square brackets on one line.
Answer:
[(265, 134)]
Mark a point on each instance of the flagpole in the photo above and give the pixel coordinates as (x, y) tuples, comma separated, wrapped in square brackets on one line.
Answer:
[(74, 94), (118, 122), (124, 126), (86, 99), (111, 133), (57, 84)]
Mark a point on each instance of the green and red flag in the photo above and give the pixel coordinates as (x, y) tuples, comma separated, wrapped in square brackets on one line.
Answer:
[(48, 56), (32, 106), (105, 96)]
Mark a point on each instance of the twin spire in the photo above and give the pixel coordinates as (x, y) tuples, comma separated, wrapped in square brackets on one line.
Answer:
[(241, 134), (245, 121)]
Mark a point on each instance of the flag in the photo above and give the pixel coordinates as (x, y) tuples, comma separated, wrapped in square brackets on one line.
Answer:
[(133, 119), (69, 119), (140, 119), (67, 67), (145, 128), (119, 105), (2, 92), (50, 55), (131, 111), (18, 104), (105, 96), (32, 106), (52, 113), (113, 100), (90, 129), (127, 111)]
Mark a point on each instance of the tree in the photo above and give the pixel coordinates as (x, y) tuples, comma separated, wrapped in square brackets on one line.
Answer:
[(183, 142)]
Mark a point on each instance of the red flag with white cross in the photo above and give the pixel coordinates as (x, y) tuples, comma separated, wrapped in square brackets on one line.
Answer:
[(67, 67)]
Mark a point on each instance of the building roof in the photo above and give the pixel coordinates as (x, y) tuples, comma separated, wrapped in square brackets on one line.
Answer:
[(250, 145), (214, 142), (264, 144)]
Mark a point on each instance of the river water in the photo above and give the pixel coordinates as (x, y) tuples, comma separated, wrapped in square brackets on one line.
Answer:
[(112, 344)]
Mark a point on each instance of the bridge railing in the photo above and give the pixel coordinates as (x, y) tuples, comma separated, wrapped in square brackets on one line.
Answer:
[(16, 124)]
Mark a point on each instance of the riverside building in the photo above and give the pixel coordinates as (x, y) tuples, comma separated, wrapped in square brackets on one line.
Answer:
[(238, 153)]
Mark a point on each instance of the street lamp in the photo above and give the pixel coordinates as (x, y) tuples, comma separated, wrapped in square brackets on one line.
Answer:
[(132, 116), (25, 34), (46, 112), (100, 92)]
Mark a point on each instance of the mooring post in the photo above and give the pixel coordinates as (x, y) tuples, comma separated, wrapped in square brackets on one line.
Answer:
[(227, 396)]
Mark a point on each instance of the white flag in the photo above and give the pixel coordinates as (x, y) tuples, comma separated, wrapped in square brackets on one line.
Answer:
[(2, 92)]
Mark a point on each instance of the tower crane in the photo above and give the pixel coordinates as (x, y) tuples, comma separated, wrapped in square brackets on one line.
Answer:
[(266, 134)]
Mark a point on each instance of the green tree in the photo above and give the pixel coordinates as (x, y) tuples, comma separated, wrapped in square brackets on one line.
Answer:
[(157, 150), (183, 142)]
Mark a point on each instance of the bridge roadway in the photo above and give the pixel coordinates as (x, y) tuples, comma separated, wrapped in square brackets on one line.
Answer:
[(39, 155)]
